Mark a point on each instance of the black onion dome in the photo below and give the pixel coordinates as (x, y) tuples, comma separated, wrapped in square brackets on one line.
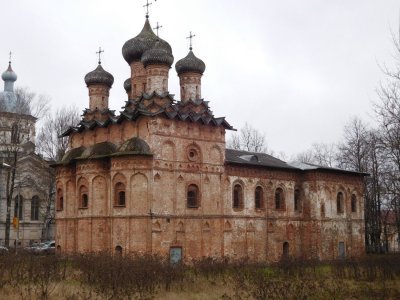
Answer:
[(99, 76), (157, 55), (128, 85), (133, 49), (190, 64)]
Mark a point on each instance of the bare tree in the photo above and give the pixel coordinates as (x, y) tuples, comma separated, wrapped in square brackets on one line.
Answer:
[(28, 103), (248, 139), (320, 154), (354, 150), (48, 140), (388, 114)]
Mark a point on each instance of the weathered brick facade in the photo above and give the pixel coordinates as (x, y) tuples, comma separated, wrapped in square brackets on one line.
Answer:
[(158, 178)]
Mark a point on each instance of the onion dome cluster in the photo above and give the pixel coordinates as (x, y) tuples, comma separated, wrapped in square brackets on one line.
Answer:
[(134, 48), (190, 63), (9, 74), (99, 76), (157, 55)]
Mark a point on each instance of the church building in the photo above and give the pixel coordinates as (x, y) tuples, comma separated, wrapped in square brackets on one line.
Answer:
[(158, 178), (26, 179)]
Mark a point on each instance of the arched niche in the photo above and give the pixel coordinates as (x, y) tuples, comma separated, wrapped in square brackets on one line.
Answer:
[(99, 195), (139, 193)]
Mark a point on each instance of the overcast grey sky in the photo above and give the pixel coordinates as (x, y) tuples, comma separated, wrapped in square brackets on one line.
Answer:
[(296, 70)]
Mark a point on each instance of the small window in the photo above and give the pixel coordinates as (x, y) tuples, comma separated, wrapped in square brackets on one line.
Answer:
[(120, 194), (84, 200), (118, 251), (339, 203), (193, 196), (297, 203), (279, 199), (259, 197), (353, 203), (60, 200), (35, 208), (237, 196), (285, 250)]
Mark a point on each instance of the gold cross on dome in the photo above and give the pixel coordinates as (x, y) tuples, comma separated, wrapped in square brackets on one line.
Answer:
[(157, 28), (99, 53), (9, 57), (190, 37)]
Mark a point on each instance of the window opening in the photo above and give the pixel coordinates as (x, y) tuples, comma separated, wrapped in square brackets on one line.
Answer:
[(192, 196), (237, 196)]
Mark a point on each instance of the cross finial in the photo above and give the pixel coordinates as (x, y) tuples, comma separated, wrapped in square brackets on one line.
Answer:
[(157, 28), (190, 37), (9, 57), (147, 5), (99, 53)]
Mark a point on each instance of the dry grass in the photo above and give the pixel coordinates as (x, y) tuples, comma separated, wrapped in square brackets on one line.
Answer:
[(100, 276)]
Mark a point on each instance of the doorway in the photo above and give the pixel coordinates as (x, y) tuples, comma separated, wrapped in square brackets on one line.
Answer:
[(175, 255)]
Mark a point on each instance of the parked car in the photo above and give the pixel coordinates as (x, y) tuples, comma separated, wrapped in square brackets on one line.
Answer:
[(48, 247), (3, 250)]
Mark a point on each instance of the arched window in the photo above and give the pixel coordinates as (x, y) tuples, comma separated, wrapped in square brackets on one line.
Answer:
[(18, 207), (297, 201), (193, 196), (119, 199), (237, 196), (279, 199), (35, 208), (340, 203), (14, 134), (84, 197), (259, 197), (60, 200), (353, 203)]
